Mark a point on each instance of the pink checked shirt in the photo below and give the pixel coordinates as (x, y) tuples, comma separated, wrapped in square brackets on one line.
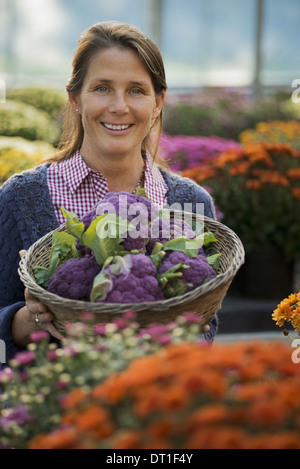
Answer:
[(77, 188)]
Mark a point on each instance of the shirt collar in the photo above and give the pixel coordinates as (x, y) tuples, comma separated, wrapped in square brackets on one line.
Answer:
[(154, 181), (74, 170)]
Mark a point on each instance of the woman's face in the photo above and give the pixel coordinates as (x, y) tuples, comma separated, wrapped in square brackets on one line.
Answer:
[(117, 104)]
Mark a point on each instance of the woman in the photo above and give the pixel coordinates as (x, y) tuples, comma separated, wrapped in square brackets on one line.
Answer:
[(116, 97)]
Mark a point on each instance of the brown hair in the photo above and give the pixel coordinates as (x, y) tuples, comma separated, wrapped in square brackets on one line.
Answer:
[(99, 37)]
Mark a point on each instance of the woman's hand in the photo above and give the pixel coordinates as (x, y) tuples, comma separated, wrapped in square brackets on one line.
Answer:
[(33, 317), (39, 316)]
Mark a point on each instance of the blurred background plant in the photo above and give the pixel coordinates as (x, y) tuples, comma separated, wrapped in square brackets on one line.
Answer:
[(183, 152), (18, 154), (223, 113), (34, 384), (23, 120), (257, 188), (45, 99), (273, 132), (160, 387), (188, 397)]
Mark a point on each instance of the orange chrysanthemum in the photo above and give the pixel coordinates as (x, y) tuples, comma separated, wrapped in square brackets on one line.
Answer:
[(229, 396)]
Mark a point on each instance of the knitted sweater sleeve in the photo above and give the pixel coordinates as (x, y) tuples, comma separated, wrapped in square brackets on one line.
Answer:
[(11, 288), (26, 214)]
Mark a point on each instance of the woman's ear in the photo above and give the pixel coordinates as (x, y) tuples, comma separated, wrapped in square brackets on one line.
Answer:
[(160, 101), (74, 102)]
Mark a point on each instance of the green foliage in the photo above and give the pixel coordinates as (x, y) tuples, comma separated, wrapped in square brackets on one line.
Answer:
[(63, 248), (222, 113), (22, 120), (50, 101)]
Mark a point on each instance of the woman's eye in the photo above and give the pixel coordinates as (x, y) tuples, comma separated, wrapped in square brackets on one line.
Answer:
[(102, 89), (136, 91)]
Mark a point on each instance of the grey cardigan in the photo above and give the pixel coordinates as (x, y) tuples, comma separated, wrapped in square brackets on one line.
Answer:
[(26, 214)]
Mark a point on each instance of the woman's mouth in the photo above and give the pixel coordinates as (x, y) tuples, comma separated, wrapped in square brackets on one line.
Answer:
[(116, 127)]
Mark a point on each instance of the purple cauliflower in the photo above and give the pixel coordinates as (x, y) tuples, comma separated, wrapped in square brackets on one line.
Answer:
[(74, 278), (179, 273), (131, 279), (132, 207), (164, 230)]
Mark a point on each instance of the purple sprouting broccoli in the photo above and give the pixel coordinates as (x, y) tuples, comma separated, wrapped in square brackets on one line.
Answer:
[(135, 208), (179, 273), (130, 279), (74, 278)]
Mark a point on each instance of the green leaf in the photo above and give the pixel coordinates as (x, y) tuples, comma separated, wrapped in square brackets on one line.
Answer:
[(190, 247), (208, 237), (102, 285), (170, 281), (63, 248), (213, 260), (141, 191), (73, 224), (103, 236), (42, 275), (121, 265)]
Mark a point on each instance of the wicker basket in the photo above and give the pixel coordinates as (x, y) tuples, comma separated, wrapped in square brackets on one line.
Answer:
[(205, 300)]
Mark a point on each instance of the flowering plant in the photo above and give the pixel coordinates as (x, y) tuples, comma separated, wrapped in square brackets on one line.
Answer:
[(257, 188), (273, 132), (288, 313), (184, 152), (117, 386), (18, 154), (242, 396), (223, 112), (32, 388)]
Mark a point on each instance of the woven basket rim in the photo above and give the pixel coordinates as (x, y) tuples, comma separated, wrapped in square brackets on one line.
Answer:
[(76, 305)]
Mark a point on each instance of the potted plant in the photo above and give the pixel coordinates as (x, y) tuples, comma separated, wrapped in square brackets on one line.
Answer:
[(257, 188)]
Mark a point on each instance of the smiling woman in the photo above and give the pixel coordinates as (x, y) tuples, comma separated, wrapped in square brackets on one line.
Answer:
[(109, 143), (117, 110)]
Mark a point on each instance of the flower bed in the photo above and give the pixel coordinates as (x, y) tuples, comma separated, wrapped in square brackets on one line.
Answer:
[(223, 112), (158, 388), (18, 154), (39, 377), (273, 132), (239, 396), (257, 188), (184, 152)]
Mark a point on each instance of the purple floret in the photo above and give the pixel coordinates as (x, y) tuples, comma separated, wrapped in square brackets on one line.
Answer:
[(137, 286), (74, 278), (199, 269), (164, 230), (122, 204)]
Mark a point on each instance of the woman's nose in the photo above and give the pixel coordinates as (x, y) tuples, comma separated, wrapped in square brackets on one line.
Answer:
[(118, 104)]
